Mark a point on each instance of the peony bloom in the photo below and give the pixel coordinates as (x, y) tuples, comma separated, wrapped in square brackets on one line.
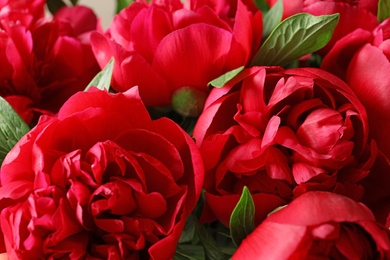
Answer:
[(100, 180), (163, 46), (318, 225), (353, 14), (44, 62), (361, 58), (281, 133), (25, 12)]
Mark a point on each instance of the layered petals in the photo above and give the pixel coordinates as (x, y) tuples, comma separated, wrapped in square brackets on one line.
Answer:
[(282, 133), (164, 46), (318, 224), (45, 61), (100, 175), (361, 59)]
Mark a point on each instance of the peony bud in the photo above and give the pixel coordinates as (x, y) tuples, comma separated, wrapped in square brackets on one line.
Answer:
[(188, 101)]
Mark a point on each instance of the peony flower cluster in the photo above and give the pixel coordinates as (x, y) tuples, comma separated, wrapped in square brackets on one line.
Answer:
[(195, 129)]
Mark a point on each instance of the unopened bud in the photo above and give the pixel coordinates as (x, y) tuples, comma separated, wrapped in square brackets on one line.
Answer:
[(188, 101)]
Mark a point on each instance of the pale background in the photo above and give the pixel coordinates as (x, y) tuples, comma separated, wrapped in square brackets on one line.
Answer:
[(105, 9)]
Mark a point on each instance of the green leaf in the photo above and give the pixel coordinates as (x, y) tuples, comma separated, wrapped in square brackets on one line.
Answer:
[(262, 5), (120, 4), (272, 18), (54, 5), (242, 218), (223, 79), (295, 37), (189, 252), (189, 231), (12, 128), (211, 250), (383, 10), (102, 80)]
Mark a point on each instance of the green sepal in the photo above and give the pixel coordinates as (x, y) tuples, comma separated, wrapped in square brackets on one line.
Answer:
[(102, 80), (225, 78)]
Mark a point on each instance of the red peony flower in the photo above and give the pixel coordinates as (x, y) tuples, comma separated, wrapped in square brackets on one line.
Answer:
[(318, 225), (164, 46), (25, 12), (99, 180), (361, 58), (281, 133), (354, 14), (44, 62)]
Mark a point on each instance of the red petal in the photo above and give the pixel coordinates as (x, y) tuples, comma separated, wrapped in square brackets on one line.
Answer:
[(153, 88), (104, 49), (338, 58), (321, 130), (151, 205), (193, 56), (324, 207), (271, 241), (368, 75), (81, 18), (16, 189), (193, 174), (127, 105), (149, 26)]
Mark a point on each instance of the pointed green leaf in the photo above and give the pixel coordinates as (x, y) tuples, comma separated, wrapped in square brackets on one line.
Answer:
[(12, 128), (272, 18), (120, 4), (103, 79), (295, 37), (383, 10), (262, 5), (223, 79), (242, 218)]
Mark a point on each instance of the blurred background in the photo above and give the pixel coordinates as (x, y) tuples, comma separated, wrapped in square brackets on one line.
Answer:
[(104, 9)]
